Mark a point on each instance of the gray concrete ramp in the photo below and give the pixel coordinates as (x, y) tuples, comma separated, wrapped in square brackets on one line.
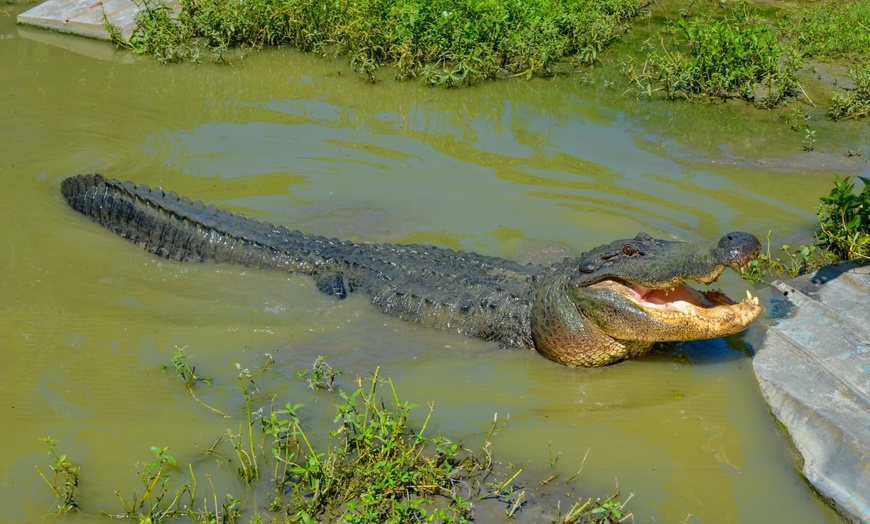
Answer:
[(814, 370), (86, 17)]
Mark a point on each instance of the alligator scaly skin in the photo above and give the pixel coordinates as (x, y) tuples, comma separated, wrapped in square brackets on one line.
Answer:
[(478, 296)]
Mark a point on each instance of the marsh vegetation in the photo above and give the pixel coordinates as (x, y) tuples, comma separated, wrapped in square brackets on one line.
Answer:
[(842, 233), (699, 51), (378, 464), (442, 42)]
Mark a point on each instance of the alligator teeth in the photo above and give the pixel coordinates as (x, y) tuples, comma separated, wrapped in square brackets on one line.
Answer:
[(751, 299)]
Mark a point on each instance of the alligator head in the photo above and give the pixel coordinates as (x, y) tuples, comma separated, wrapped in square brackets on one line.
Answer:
[(617, 300)]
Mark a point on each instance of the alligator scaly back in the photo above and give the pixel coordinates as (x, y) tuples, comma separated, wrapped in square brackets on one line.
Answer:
[(482, 297)]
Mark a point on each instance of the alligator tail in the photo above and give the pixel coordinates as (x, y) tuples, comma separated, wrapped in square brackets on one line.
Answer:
[(179, 229)]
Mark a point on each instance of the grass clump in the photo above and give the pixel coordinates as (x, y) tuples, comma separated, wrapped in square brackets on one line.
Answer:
[(844, 220), (375, 467), (855, 103), (713, 58), (444, 42), (158, 33)]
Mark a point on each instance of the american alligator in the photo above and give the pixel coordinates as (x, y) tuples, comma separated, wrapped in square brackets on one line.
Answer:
[(612, 303)]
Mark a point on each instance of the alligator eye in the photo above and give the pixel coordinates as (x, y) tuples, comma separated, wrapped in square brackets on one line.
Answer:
[(629, 250)]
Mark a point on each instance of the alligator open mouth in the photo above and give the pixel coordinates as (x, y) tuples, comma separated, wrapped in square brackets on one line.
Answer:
[(678, 313), (624, 320), (685, 299), (679, 299)]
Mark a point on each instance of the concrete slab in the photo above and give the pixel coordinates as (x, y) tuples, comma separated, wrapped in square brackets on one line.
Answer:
[(86, 17), (84, 46), (813, 367)]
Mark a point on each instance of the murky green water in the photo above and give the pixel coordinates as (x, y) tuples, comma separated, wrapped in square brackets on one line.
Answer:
[(527, 170)]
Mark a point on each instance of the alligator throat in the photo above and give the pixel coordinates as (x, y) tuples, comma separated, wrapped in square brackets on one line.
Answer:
[(609, 304)]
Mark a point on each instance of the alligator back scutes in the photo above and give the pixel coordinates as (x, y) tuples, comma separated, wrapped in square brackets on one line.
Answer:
[(485, 297), (178, 229)]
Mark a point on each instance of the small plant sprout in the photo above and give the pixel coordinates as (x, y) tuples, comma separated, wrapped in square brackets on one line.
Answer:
[(187, 373), (64, 480), (809, 141)]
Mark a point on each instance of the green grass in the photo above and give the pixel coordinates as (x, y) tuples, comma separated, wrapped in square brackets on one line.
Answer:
[(443, 42), (709, 52), (837, 31)]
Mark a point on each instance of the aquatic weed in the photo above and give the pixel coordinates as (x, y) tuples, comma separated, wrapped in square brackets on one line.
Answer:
[(842, 233), (804, 259), (375, 467), (188, 373), (157, 504)]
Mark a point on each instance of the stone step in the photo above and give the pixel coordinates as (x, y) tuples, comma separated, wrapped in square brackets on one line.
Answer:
[(813, 367), (88, 17)]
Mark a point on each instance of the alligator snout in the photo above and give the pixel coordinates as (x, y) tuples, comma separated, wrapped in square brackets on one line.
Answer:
[(739, 248)]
